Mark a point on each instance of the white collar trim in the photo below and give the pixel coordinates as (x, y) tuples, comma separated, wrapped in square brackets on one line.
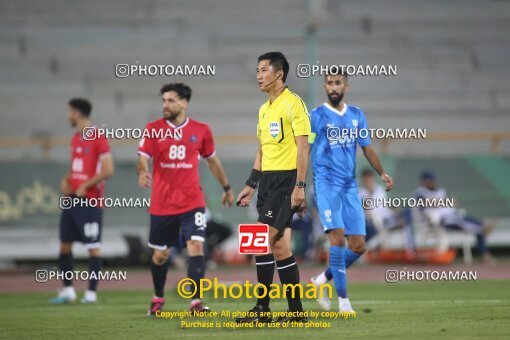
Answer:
[(340, 113), (180, 126)]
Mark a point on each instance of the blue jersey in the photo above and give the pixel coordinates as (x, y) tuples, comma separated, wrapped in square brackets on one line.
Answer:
[(333, 150)]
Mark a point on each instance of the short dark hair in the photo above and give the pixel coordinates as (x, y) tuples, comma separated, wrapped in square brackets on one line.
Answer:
[(341, 72), (279, 62), (82, 105), (182, 90), (366, 172)]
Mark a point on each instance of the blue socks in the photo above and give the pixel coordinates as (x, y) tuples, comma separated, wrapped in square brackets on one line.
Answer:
[(337, 267), (328, 274), (350, 258)]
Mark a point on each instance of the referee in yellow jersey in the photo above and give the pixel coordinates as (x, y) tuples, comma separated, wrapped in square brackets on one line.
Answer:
[(279, 171)]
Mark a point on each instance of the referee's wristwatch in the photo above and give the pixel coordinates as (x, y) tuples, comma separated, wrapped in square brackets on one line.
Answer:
[(301, 184)]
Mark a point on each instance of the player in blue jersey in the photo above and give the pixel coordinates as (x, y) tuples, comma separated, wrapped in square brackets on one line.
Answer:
[(337, 130)]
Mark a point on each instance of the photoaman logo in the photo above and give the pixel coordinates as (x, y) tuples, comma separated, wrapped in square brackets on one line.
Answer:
[(253, 239)]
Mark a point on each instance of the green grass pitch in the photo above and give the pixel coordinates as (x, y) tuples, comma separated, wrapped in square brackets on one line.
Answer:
[(385, 311)]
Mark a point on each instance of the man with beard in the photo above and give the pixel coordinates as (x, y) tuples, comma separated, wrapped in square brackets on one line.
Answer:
[(177, 202), (91, 164), (337, 129)]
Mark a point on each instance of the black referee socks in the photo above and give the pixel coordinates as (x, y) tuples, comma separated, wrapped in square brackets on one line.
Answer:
[(289, 274), (196, 271), (265, 272)]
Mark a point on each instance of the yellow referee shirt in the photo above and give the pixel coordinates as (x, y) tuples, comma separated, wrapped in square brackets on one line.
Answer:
[(279, 123)]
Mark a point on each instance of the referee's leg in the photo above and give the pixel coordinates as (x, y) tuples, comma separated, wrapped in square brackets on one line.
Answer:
[(280, 241), (265, 265), (265, 271)]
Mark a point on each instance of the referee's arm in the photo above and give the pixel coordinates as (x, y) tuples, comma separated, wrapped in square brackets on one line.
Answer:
[(245, 196), (303, 149), (298, 194), (258, 158)]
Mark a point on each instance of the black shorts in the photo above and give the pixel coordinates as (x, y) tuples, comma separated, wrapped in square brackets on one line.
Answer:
[(273, 199), (82, 224), (167, 231)]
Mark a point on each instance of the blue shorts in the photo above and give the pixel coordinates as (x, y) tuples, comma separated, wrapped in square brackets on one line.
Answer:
[(167, 231), (82, 224), (343, 210)]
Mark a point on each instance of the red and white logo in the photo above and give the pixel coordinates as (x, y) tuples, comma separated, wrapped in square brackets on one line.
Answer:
[(253, 239)]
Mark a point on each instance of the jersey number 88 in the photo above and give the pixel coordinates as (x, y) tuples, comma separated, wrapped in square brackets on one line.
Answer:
[(177, 152)]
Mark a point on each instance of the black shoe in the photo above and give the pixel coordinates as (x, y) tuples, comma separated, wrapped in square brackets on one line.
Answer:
[(253, 315), (290, 318)]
